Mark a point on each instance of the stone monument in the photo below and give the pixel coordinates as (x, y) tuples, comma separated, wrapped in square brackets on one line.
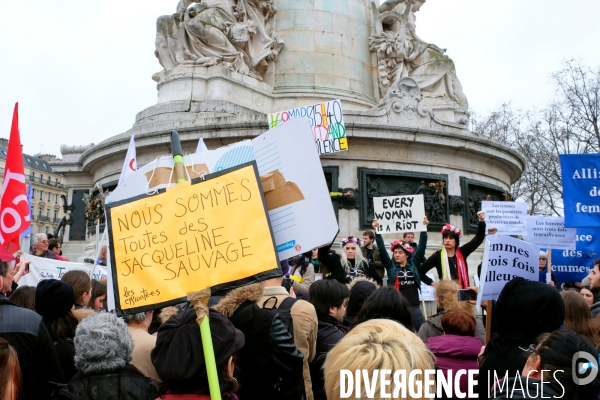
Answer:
[(226, 64)]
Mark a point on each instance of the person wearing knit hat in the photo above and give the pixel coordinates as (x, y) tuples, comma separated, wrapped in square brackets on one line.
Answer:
[(54, 301), (179, 356), (525, 309)]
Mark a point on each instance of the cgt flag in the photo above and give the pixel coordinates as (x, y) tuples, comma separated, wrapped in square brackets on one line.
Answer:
[(14, 205), (130, 164)]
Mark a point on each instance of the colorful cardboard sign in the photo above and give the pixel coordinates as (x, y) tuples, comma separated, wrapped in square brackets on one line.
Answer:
[(326, 121), (193, 236)]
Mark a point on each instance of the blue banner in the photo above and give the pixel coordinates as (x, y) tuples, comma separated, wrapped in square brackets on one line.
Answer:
[(572, 266), (581, 189)]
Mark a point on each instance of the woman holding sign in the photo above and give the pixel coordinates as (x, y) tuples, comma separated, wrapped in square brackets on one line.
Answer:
[(451, 261), (349, 265), (402, 270)]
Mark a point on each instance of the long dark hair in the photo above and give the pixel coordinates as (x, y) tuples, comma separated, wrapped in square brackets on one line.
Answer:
[(98, 289), (577, 316), (385, 303), (9, 371), (62, 329), (556, 351)]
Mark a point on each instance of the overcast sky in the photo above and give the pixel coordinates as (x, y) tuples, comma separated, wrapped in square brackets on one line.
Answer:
[(81, 70)]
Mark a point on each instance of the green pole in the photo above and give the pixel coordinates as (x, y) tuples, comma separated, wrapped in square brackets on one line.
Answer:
[(205, 334)]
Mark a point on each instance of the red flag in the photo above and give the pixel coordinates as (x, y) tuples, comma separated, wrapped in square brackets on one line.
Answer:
[(14, 207)]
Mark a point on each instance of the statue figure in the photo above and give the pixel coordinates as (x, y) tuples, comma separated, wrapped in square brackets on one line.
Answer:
[(401, 53), (236, 33)]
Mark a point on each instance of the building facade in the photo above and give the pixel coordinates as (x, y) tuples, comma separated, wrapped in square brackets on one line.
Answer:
[(47, 187)]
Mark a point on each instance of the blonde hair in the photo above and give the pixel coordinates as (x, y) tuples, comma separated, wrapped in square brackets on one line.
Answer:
[(446, 292), (358, 258), (376, 344)]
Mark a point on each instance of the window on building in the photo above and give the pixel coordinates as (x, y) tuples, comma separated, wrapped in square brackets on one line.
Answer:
[(41, 178), (40, 214), (32, 175), (41, 195), (48, 213), (33, 193), (55, 215), (46, 230), (56, 183), (56, 200), (49, 197), (32, 210)]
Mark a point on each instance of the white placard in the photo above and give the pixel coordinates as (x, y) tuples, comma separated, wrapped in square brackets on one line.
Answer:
[(505, 258), (550, 232), (45, 268), (290, 150), (400, 213), (427, 292), (509, 217)]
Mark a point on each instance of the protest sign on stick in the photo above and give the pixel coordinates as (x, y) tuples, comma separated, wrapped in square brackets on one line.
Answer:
[(505, 258), (581, 189), (400, 213), (509, 217), (550, 232), (326, 121), (191, 237)]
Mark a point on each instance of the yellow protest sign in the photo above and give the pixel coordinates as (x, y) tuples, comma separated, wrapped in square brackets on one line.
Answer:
[(191, 237)]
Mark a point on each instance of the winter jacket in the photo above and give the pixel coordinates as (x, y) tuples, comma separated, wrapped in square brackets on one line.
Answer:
[(305, 323), (66, 356), (435, 260), (414, 260), (454, 352), (595, 309), (126, 383), (433, 327), (331, 331), (270, 366), (335, 269), (379, 267), (532, 389), (307, 279), (25, 330)]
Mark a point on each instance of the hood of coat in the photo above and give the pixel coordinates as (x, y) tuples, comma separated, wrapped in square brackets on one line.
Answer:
[(237, 297), (455, 346)]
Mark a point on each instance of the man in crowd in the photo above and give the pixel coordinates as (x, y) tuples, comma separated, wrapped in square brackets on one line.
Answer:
[(594, 277), (304, 322), (143, 342), (25, 330), (55, 246), (371, 253), (330, 299), (544, 270)]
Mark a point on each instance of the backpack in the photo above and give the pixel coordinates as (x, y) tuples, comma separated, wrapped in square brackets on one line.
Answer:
[(284, 311), (270, 364)]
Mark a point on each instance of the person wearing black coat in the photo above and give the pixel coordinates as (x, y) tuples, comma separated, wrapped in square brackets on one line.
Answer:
[(270, 366), (330, 299), (524, 310), (25, 330), (451, 261), (349, 265)]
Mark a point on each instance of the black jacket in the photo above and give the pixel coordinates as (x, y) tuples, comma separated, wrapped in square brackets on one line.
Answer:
[(26, 332), (335, 270), (466, 249), (329, 334), (126, 383), (269, 364)]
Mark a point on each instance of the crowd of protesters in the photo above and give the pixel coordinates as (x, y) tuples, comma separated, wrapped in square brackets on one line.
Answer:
[(289, 337)]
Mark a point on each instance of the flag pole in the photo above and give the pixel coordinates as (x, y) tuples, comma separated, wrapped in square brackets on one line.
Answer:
[(198, 299)]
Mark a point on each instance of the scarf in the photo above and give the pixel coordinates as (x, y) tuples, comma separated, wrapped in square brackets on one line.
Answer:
[(461, 268)]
